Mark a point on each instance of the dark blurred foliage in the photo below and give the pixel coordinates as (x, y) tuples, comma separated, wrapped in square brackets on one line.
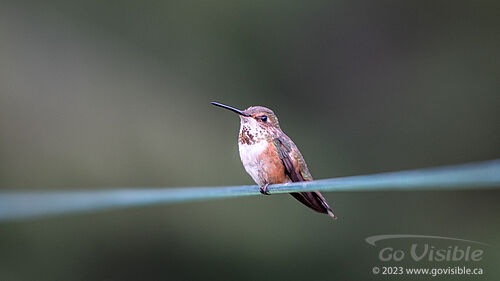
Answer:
[(100, 94)]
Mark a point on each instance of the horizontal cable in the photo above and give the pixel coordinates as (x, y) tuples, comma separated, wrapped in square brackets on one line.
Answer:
[(28, 204)]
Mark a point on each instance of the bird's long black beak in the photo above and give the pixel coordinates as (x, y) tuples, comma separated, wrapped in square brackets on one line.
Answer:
[(230, 108)]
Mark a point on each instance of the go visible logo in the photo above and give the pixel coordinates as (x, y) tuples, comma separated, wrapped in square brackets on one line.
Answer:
[(461, 250)]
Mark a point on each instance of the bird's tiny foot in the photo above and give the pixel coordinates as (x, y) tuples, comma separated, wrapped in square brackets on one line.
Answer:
[(263, 189)]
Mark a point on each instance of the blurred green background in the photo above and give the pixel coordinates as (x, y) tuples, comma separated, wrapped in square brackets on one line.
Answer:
[(104, 94)]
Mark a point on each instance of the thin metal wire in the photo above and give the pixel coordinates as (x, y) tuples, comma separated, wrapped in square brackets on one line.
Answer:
[(16, 205)]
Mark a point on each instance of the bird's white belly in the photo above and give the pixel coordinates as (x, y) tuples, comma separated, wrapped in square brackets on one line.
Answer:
[(249, 155)]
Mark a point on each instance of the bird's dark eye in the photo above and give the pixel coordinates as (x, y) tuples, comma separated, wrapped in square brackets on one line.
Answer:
[(263, 118)]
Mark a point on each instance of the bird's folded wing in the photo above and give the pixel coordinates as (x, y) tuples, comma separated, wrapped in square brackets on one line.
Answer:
[(284, 154)]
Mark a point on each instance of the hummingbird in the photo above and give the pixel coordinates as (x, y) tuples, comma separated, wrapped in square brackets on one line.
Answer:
[(271, 157)]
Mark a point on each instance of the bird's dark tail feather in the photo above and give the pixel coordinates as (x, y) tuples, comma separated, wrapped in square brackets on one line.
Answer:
[(315, 201)]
